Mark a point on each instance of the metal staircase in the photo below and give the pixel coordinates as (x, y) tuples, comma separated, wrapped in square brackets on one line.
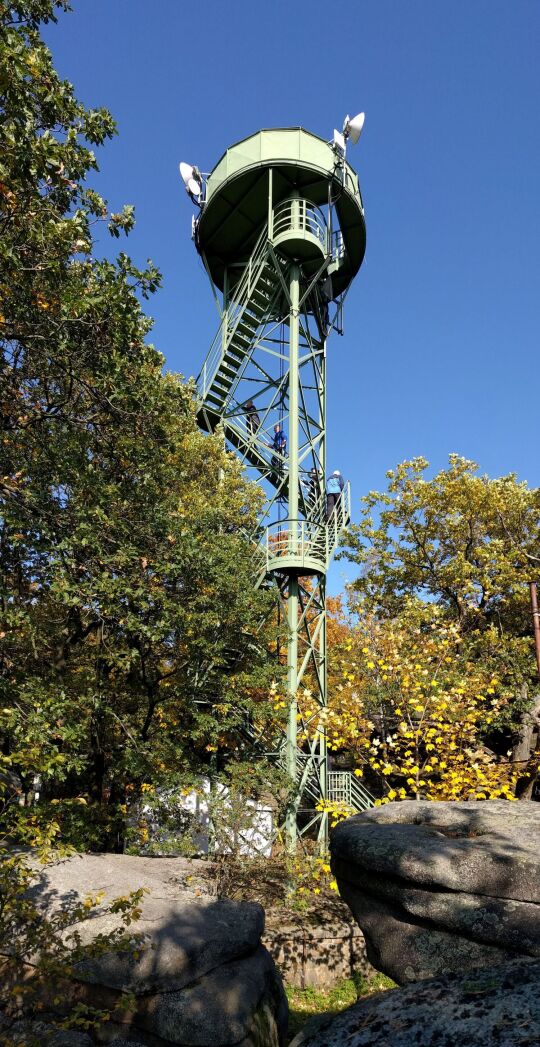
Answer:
[(343, 788), (233, 343)]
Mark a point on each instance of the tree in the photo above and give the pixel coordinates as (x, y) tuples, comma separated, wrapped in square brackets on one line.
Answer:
[(467, 546), (131, 634), (461, 539), (413, 709)]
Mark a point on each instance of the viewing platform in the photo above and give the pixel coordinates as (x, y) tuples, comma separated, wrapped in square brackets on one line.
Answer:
[(305, 547)]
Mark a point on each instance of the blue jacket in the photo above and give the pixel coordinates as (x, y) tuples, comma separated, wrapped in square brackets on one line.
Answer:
[(280, 442), (335, 484)]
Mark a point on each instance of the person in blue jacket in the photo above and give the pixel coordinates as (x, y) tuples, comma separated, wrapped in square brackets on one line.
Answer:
[(279, 446), (334, 487)]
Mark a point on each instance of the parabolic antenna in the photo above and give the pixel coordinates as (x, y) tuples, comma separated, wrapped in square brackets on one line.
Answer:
[(353, 128), (191, 178)]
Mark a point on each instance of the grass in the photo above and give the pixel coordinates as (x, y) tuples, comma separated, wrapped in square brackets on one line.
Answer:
[(306, 1003)]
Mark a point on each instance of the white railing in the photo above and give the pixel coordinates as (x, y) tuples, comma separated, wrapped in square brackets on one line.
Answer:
[(297, 215), (261, 438), (344, 788), (305, 541), (338, 246), (259, 562)]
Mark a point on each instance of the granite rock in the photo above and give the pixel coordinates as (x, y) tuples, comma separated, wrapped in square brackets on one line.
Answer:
[(439, 887), (183, 935), (199, 978), (225, 1007), (495, 1005), (28, 1031)]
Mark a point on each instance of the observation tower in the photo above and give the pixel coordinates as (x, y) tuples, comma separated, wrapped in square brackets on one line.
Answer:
[(280, 230)]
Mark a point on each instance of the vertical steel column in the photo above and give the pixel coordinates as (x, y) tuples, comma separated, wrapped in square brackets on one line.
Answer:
[(292, 599), (323, 744)]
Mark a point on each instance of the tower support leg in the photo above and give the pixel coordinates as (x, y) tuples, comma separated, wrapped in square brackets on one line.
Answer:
[(323, 745), (293, 527), (292, 683)]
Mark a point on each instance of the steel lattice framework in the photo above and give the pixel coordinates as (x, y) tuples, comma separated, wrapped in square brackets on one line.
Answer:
[(281, 234)]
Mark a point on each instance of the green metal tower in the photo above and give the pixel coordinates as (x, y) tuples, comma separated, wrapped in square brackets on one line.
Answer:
[(281, 234)]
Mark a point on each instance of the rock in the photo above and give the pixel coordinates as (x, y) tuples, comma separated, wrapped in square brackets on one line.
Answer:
[(184, 936), (70, 1038), (497, 1005), (201, 976), (439, 887), (316, 950), (29, 1032), (228, 1006)]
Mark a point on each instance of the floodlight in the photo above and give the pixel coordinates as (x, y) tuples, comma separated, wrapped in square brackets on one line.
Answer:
[(191, 177), (352, 127)]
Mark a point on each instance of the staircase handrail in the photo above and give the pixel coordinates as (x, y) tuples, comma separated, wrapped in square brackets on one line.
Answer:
[(360, 795), (309, 539), (344, 787), (232, 315)]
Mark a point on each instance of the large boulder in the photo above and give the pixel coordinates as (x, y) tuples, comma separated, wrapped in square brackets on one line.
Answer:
[(199, 975), (497, 1005), (440, 887), (24, 1032)]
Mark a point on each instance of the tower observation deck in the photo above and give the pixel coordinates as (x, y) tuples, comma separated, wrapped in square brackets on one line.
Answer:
[(281, 234)]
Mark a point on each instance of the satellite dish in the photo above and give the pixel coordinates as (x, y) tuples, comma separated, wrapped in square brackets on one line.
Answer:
[(191, 177), (186, 172), (353, 128), (193, 187)]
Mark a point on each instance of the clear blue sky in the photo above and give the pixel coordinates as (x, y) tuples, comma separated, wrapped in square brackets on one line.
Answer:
[(441, 344)]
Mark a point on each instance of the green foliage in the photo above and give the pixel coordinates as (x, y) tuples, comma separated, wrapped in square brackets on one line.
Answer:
[(461, 539), (307, 1003), (467, 547), (40, 956), (131, 647)]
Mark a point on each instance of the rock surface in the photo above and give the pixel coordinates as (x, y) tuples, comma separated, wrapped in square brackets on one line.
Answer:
[(185, 935), (25, 1032), (318, 947), (439, 887), (495, 1005), (200, 975), (220, 1008)]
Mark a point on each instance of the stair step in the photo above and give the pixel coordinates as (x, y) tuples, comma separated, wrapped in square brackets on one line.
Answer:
[(245, 329), (261, 303), (225, 377), (259, 296), (250, 319), (221, 385), (241, 343)]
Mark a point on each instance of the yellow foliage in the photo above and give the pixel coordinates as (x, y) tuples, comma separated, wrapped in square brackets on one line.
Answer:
[(420, 739)]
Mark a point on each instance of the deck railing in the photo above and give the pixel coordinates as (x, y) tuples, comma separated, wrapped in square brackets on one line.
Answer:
[(305, 541), (299, 216)]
